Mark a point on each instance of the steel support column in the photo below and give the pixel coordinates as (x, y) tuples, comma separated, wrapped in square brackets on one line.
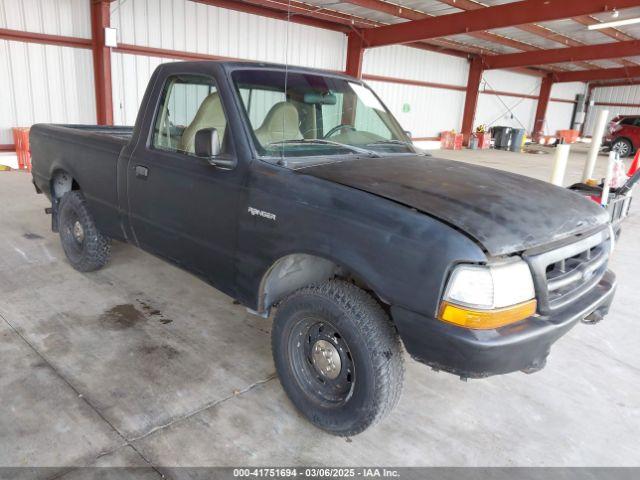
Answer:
[(355, 54), (471, 98), (101, 18), (541, 110)]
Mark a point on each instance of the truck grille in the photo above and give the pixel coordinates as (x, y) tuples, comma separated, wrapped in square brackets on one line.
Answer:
[(563, 275), (618, 208)]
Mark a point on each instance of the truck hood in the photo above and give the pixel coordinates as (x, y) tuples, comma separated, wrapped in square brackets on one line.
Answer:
[(504, 212)]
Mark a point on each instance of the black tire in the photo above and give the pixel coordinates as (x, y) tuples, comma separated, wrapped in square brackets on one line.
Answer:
[(371, 369), (622, 146), (85, 247)]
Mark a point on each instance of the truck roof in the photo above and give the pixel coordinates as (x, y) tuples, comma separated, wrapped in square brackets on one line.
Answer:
[(230, 65)]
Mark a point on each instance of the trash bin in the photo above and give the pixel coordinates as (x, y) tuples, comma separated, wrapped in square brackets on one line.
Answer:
[(517, 137), (502, 136)]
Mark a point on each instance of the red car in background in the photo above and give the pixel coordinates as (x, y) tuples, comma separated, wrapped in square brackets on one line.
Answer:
[(624, 134)]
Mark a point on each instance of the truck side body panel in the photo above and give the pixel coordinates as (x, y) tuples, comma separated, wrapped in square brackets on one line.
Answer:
[(91, 159)]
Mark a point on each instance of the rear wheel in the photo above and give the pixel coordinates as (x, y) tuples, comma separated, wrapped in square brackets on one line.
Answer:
[(85, 247), (338, 356), (623, 147)]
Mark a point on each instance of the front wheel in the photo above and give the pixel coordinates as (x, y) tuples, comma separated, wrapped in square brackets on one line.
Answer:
[(623, 147), (85, 247), (338, 356)]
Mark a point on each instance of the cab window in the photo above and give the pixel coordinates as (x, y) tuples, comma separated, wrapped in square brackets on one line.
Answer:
[(188, 103)]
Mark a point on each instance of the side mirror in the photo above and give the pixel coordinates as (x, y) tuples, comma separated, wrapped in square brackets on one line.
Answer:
[(207, 145), (408, 134)]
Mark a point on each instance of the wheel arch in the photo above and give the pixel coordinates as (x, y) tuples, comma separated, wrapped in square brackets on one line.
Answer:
[(296, 270), (62, 182)]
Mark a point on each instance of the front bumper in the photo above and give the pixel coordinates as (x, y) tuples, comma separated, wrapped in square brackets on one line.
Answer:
[(481, 353)]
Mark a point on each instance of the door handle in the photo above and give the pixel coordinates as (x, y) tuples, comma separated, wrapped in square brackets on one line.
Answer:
[(142, 172)]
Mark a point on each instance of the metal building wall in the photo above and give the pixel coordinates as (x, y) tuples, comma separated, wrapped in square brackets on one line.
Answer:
[(559, 113), (502, 110), (518, 112), (187, 26), (55, 84), (45, 83), (627, 99), (430, 110)]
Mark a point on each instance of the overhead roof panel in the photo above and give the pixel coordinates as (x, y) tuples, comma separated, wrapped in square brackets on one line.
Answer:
[(355, 10), (567, 27), (432, 7), (569, 66), (576, 31), (527, 37), (486, 44)]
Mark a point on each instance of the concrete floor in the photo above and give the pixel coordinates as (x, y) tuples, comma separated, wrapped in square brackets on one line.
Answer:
[(142, 364)]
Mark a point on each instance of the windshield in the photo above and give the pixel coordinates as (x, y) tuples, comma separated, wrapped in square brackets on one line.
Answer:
[(316, 115)]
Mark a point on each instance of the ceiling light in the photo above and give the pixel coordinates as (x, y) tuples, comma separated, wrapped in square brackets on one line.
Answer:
[(614, 23)]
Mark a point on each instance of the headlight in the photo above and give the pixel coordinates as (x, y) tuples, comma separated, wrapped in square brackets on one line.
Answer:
[(489, 296)]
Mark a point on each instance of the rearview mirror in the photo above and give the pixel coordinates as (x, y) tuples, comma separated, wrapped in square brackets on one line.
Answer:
[(207, 145)]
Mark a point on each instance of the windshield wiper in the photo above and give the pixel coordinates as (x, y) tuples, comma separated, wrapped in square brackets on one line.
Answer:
[(320, 141), (389, 142)]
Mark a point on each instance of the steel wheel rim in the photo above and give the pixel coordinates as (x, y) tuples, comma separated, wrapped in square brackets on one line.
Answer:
[(74, 233), (321, 361)]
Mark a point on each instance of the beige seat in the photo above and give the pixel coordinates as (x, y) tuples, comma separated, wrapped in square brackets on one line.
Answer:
[(281, 123), (209, 115)]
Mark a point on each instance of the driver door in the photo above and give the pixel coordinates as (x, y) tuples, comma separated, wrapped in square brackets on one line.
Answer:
[(181, 207)]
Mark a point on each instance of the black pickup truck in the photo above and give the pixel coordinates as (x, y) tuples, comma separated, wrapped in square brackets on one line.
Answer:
[(296, 189)]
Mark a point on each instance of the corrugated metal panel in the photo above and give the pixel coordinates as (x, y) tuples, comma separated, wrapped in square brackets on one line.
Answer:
[(431, 7), (481, 43), (413, 64), (193, 27), (44, 83), (628, 94), (184, 25), (633, 30), (527, 37), (594, 112), (431, 110), (61, 17), (625, 94), (130, 75)]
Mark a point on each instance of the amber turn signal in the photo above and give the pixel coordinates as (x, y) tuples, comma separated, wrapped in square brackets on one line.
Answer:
[(486, 319)]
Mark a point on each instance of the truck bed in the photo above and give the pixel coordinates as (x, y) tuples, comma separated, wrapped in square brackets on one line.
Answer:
[(119, 132), (89, 153)]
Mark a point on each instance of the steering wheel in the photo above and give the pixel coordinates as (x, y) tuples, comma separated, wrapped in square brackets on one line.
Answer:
[(338, 128)]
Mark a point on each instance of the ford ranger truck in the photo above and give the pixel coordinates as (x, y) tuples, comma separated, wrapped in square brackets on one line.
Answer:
[(296, 191)]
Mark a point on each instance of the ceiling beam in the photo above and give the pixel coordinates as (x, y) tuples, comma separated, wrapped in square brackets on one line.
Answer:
[(601, 74), (410, 14), (499, 16), (400, 11), (557, 55), (537, 30), (299, 13)]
